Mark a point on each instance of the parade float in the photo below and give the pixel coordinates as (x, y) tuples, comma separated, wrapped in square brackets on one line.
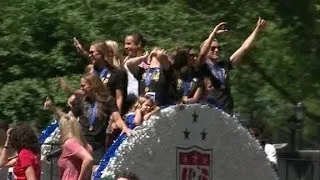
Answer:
[(194, 142)]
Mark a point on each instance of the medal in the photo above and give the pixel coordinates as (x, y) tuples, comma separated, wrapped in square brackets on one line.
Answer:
[(156, 75), (105, 81), (179, 85), (91, 128)]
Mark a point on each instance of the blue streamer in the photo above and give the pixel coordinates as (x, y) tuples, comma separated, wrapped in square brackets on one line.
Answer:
[(114, 147), (110, 153), (48, 131)]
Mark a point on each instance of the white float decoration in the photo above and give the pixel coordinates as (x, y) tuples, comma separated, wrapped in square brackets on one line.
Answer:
[(197, 142), (49, 140)]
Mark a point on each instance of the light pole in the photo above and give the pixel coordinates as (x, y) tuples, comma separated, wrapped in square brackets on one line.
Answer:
[(295, 126), (299, 116)]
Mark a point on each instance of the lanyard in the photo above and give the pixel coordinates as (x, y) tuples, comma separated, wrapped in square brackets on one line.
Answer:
[(218, 72), (92, 111), (102, 73), (187, 86)]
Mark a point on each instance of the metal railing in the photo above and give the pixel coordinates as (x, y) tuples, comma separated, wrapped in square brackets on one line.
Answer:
[(300, 165)]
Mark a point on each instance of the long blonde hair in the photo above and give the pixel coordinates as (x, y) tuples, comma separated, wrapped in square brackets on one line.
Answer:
[(101, 93), (104, 49), (114, 47), (71, 128)]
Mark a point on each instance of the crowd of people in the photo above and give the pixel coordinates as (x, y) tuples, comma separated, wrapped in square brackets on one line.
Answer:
[(117, 94)]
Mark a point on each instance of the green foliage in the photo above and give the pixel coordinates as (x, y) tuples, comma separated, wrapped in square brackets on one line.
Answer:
[(36, 47)]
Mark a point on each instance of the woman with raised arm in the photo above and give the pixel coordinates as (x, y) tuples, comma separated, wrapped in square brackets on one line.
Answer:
[(210, 65), (22, 139), (4, 126), (114, 79), (157, 80), (105, 62), (99, 106), (75, 162), (134, 48), (51, 135), (74, 103)]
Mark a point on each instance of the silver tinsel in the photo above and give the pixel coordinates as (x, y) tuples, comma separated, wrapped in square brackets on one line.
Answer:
[(152, 150)]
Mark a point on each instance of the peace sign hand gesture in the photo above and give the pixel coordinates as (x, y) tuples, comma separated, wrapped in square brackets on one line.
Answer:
[(261, 23)]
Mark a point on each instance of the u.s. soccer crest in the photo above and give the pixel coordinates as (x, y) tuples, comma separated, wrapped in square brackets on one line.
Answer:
[(194, 163)]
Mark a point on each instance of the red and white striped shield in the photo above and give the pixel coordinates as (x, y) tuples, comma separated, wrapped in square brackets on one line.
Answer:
[(194, 163)]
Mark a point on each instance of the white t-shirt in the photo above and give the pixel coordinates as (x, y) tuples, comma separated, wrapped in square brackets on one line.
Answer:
[(133, 83), (271, 152)]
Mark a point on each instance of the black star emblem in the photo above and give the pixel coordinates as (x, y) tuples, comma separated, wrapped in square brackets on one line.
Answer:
[(203, 135), (195, 116), (186, 134)]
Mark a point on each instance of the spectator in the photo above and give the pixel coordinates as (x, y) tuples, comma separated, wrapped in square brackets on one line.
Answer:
[(268, 148), (22, 139), (76, 160), (4, 126)]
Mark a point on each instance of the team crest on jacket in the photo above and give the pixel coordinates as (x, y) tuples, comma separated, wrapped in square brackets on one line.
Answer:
[(194, 163)]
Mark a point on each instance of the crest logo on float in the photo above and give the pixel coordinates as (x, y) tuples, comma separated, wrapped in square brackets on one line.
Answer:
[(194, 163)]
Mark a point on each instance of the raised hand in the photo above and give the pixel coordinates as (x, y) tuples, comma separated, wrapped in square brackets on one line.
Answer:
[(9, 132), (154, 51), (79, 46), (261, 23), (48, 104), (220, 28), (64, 85)]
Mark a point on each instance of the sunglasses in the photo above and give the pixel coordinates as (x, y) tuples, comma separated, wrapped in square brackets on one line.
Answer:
[(213, 48)]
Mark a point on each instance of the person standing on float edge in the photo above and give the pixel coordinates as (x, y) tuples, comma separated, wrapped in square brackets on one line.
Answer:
[(210, 65)]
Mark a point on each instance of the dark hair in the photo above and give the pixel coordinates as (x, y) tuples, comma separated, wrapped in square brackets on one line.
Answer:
[(4, 125), (180, 58), (23, 136), (127, 174), (188, 47), (255, 132), (138, 38)]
